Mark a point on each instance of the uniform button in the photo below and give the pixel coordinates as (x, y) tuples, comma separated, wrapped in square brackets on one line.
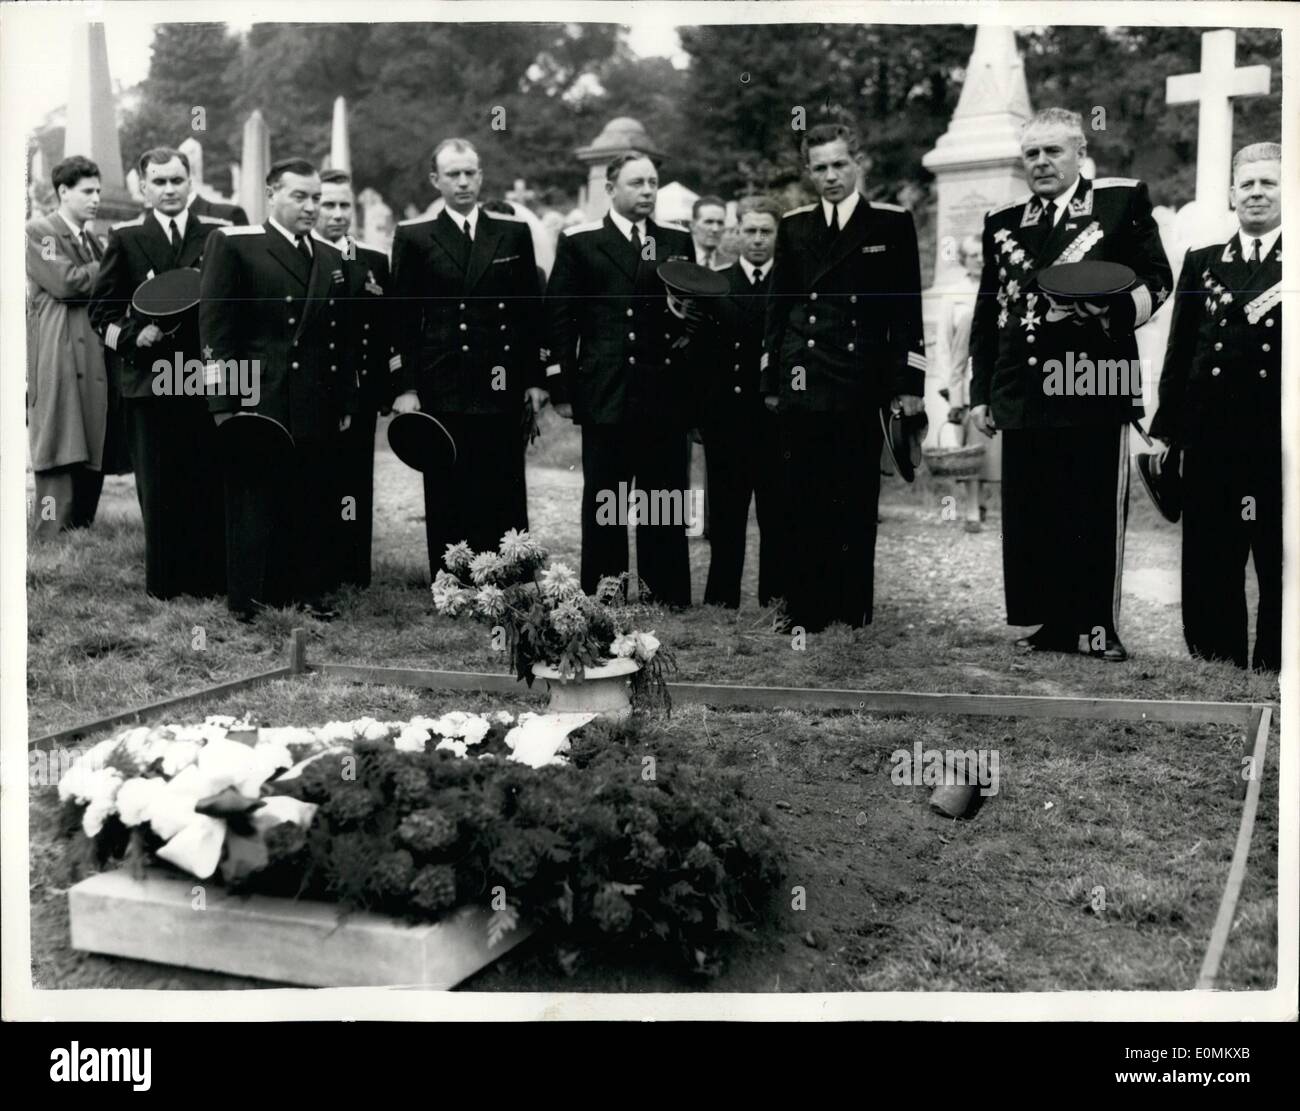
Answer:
[(629, 312), (735, 366), (668, 362), (812, 297), (333, 367), (503, 327), (293, 366), (506, 347), (294, 344), (631, 359), (812, 343), (462, 306), (1268, 322), (501, 304), (631, 335), (737, 389), (464, 327), (288, 298), (293, 320), (365, 326), (332, 346), (737, 345), (331, 300), (812, 320), (854, 323), (667, 336), (850, 347), (1224, 323), (1030, 338), (464, 347), (364, 341), (1263, 373), (1265, 347), (1033, 360), (853, 298), (1215, 372), (1219, 347)]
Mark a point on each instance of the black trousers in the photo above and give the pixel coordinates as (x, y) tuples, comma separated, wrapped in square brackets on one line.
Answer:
[(1221, 530), (1064, 512), (66, 498), (648, 455), (742, 453), (356, 481), (484, 495), (178, 481), (280, 530), (831, 470)]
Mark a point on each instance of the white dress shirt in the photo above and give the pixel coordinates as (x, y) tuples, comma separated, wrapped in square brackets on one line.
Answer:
[(624, 225), (749, 269), (181, 218), (461, 219), (844, 208), (1266, 241), (293, 239)]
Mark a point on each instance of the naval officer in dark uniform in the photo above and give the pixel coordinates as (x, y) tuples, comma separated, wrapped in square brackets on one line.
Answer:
[(467, 296), (741, 435), (376, 362), (621, 371), (1037, 377), (170, 436), (1221, 408), (843, 337), (275, 295)]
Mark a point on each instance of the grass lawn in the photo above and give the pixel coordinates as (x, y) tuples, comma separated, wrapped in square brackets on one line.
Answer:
[(897, 897)]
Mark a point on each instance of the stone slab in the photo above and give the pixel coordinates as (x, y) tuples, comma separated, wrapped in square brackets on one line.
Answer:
[(283, 940)]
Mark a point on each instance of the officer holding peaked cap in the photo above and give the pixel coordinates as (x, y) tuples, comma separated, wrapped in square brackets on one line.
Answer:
[(144, 305)]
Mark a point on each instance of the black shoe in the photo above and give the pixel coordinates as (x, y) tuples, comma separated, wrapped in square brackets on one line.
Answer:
[(319, 610), (1048, 639), (1114, 651)]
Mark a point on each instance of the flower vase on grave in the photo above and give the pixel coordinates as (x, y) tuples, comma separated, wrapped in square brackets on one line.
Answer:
[(602, 690)]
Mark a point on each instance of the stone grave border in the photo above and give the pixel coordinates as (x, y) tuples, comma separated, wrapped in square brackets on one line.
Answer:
[(1254, 717)]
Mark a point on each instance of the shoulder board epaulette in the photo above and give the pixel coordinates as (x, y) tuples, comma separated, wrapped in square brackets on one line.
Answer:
[(802, 208), (245, 229), (1104, 182), (220, 220), (138, 222), (673, 225), (595, 225), (503, 216), (419, 219), (1010, 204), (887, 206)]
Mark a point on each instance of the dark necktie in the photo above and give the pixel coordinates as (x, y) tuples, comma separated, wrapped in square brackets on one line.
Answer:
[(636, 241), (176, 241), (1255, 255), (833, 228), (303, 249), (755, 277)]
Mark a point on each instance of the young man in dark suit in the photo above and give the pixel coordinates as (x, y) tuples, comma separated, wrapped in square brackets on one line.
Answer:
[(376, 363), (741, 435), (274, 297), (622, 372), (469, 347), (843, 339), (1065, 455), (170, 436), (1221, 411)]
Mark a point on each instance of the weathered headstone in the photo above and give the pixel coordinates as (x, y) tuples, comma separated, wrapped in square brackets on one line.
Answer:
[(91, 127)]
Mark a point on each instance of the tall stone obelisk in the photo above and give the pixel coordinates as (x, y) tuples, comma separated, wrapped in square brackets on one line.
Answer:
[(976, 164), (340, 150), (254, 165), (91, 128)]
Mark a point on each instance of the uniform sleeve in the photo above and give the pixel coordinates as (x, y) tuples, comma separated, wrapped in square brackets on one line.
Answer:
[(775, 313), (533, 320), (561, 321), (1146, 257), (110, 299), (407, 312), (906, 330), (984, 324), (219, 315), (53, 270), (1169, 422)]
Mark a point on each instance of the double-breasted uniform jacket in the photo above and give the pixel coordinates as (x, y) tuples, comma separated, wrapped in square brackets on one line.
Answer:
[(137, 251), (1222, 375), (621, 353), (470, 339), (1017, 340), (848, 312), (374, 321), (67, 380), (731, 377), (261, 300)]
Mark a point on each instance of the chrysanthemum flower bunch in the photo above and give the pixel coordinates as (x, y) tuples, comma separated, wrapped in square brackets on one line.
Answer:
[(545, 618)]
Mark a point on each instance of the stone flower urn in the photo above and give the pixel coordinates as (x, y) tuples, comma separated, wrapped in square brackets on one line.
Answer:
[(602, 690)]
